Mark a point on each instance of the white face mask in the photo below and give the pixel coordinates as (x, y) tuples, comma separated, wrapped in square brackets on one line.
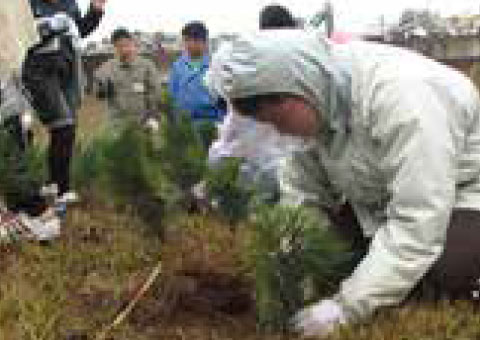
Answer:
[(262, 141)]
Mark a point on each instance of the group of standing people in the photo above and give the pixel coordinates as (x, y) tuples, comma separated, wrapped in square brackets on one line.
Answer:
[(131, 84)]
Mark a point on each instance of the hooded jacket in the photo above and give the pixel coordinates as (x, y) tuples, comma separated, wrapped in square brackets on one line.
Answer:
[(399, 138)]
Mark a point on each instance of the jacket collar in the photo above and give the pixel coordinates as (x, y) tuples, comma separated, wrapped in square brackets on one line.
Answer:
[(187, 59)]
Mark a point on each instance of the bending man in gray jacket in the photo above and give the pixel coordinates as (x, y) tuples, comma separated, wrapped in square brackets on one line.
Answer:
[(395, 134)]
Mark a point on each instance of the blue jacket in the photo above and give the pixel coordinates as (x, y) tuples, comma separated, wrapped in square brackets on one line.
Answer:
[(189, 93)]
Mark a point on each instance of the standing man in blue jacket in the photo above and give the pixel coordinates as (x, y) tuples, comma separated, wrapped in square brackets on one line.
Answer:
[(52, 76), (187, 85)]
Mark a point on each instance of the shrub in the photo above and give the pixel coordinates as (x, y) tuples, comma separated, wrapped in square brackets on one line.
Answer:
[(225, 188), (20, 170), (296, 260), (125, 164), (181, 153)]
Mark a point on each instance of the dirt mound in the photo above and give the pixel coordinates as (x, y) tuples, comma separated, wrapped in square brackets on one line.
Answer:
[(202, 273)]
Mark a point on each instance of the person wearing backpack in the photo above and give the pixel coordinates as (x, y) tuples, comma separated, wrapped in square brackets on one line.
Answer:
[(52, 76)]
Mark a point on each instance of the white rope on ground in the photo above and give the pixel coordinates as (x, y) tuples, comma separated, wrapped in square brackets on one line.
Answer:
[(131, 305)]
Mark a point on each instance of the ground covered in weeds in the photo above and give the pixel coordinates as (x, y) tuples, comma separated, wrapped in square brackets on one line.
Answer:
[(74, 288)]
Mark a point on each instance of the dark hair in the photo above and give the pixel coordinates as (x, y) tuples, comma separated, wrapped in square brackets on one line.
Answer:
[(276, 17), (120, 33), (195, 30), (248, 106)]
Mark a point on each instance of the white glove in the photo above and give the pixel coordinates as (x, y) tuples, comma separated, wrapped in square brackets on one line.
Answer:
[(199, 191), (320, 319), (27, 120), (152, 124)]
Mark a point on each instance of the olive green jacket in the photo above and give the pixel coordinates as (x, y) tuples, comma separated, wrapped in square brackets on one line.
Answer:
[(132, 90)]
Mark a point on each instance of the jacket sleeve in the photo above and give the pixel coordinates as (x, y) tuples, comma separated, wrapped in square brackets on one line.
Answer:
[(412, 135), (88, 23)]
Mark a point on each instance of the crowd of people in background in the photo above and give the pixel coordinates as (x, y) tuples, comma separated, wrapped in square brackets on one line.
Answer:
[(49, 82)]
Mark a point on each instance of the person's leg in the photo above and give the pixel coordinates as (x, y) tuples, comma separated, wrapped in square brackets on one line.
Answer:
[(62, 141), (456, 276)]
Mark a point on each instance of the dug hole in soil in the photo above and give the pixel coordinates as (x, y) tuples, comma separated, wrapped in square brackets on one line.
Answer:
[(203, 289)]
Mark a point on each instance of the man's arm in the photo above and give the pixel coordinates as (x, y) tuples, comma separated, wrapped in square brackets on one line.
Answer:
[(88, 23), (417, 152)]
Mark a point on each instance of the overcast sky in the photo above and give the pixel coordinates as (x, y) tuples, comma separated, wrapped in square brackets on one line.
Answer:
[(238, 15)]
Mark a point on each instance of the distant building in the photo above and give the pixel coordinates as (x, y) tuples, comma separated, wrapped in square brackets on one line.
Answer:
[(456, 37), (454, 41)]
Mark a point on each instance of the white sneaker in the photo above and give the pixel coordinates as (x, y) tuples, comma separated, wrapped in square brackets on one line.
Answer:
[(50, 190), (45, 227), (68, 198)]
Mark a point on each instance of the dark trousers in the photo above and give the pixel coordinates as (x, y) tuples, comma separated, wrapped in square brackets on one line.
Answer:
[(48, 78), (455, 276), (60, 153)]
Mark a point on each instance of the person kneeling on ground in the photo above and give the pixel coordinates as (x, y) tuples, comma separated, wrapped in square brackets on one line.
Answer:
[(24, 211), (22, 208), (130, 83), (401, 145)]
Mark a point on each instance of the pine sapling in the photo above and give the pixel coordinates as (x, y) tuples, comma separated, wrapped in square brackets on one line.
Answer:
[(296, 259)]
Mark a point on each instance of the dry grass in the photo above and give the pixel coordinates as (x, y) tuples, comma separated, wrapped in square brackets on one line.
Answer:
[(75, 284), (74, 287)]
